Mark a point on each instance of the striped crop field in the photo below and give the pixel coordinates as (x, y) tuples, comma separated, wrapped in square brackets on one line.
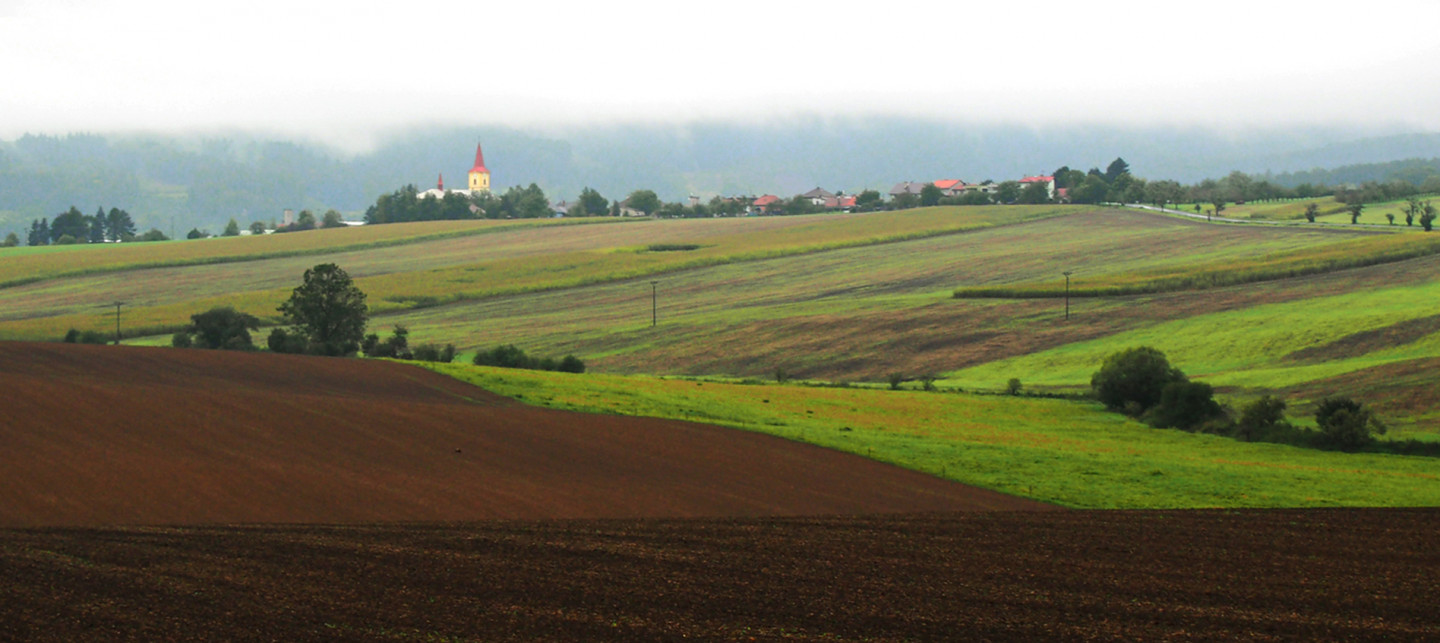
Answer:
[(30, 264), (1200, 271), (1069, 453), (429, 265)]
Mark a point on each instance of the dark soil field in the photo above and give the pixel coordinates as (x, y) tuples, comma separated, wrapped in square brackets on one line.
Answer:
[(1197, 575), (104, 435), (280, 498)]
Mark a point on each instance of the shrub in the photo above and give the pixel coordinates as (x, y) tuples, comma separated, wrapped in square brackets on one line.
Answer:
[(571, 364), (1346, 424), (434, 353), (397, 346), (507, 356), (75, 336), (927, 382), (1013, 386), (221, 327), (1134, 379), (1262, 418), (895, 379), (281, 341), (1185, 405), (510, 356)]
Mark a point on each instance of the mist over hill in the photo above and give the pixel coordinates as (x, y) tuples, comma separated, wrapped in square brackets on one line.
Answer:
[(177, 182)]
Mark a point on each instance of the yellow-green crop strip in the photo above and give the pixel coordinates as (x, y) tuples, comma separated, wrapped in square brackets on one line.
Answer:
[(1069, 453), (732, 241), (28, 265)]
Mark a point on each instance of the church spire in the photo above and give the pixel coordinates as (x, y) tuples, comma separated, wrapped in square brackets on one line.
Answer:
[(440, 185), (479, 160)]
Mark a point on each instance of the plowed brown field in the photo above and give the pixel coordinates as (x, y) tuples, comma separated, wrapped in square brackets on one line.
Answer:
[(101, 435), (1034, 576)]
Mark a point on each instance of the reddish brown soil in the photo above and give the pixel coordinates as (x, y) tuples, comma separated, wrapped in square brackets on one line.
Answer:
[(103, 435), (1202, 575)]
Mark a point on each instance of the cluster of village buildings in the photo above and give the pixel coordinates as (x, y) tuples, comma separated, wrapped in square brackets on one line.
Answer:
[(825, 199), (479, 181)]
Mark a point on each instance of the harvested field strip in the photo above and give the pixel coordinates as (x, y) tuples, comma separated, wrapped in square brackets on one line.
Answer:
[(1205, 575), (1346, 255), (74, 261), (1070, 453), (124, 435)]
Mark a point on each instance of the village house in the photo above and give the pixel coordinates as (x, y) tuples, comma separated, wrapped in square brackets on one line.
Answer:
[(818, 196), (1049, 182), (763, 204)]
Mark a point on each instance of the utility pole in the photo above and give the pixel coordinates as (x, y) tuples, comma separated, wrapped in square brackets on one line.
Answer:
[(653, 308), (1067, 274), (117, 306)]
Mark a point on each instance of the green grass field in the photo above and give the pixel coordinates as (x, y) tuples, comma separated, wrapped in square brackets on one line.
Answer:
[(1069, 453)]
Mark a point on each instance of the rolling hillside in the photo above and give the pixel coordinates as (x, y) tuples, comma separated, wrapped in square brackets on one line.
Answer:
[(100, 435), (1299, 311)]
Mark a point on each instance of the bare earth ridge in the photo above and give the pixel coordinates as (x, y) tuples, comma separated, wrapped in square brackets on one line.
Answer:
[(102, 435)]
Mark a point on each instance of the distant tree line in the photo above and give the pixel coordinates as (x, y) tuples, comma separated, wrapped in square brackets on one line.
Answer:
[(74, 226)]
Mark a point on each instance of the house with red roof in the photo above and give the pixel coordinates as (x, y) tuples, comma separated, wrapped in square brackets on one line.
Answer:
[(950, 187), (1049, 182), (763, 204)]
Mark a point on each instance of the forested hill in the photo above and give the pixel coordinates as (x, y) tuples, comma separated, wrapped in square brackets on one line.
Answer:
[(183, 182)]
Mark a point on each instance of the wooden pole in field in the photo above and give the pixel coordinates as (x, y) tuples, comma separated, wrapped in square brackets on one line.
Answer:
[(653, 308), (117, 306), (1067, 274)]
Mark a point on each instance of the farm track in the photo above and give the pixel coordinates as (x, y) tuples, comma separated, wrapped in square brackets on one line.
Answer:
[(98, 435), (1092, 575)]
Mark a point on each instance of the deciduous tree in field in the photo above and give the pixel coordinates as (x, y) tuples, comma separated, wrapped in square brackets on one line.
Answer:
[(328, 311), (11, 240), (1355, 210), (1311, 210), (232, 229), (645, 201), (220, 327), (1427, 216), (1133, 380), (592, 204), (929, 195), (1347, 424)]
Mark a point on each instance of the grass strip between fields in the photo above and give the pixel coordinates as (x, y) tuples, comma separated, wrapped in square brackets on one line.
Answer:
[(1346, 255), (1069, 453)]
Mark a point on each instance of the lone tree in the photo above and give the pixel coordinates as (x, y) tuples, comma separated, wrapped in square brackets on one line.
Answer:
[(326, 312), (1310, 211), (1134, 379), (1355, 210)]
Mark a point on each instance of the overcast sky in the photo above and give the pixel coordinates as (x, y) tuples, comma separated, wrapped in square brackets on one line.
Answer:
[(343, 72)]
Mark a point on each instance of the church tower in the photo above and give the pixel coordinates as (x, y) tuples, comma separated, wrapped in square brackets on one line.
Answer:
[(479, 176)]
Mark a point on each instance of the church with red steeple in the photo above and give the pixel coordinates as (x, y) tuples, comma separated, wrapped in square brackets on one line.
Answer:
[(479, 180), (479, 176)]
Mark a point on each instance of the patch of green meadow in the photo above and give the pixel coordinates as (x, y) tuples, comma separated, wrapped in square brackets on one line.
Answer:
[(1070, 453)]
